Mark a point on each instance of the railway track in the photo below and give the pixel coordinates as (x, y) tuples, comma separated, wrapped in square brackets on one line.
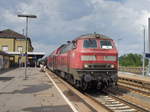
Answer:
[(103, 101), (77, 98), (135, 82), (116, 103), (140, 91), (134, 85), (129, 98), (123, 105)]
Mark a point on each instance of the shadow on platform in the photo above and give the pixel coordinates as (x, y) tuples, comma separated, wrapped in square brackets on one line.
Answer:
[(6, 78), (6, 70), (61, 108), (30, 89)]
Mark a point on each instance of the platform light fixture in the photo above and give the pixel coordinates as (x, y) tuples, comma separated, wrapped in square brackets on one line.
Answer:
[(27, 16)]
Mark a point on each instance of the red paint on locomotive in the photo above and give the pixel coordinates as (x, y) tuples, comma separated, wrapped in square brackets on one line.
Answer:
[(86, 59)]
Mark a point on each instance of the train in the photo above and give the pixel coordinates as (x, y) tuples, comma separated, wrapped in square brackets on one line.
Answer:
[(88, 61)]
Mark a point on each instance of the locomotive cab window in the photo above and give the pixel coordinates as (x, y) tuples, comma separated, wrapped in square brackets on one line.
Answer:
[(63, 50), (90, 43), (66, 48), (106, 44)]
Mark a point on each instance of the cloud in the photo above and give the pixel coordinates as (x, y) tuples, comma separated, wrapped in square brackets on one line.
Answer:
[(47, 49), (61, 20), (75, 9)]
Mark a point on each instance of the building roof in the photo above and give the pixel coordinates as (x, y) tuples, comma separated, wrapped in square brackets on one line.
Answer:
[(11, 34), (8, 33)]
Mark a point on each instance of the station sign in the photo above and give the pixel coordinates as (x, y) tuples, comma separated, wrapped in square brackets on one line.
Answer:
[(147, 55)]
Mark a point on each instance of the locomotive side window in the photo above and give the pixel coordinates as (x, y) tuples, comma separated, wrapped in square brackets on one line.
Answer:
[(90, 43), (70, 46), (106, 44), (67, 48), (63, 50)]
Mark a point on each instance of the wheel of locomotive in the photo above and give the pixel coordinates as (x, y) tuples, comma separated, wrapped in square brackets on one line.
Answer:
[(85, 85), (77, 83), (63, 74), (72, 81)]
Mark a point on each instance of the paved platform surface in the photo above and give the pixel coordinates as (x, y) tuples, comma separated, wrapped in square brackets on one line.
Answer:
[(36, 94)]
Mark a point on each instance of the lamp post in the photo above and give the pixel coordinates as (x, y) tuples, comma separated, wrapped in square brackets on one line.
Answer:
[(148, 70), (118, 48), (26, 50), (143, 50)]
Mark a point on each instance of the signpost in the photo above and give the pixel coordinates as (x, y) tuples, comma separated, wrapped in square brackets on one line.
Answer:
[(147, 55)]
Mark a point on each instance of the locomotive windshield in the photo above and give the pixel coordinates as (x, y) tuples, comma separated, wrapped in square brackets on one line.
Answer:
[(90, 43), (106, 44)]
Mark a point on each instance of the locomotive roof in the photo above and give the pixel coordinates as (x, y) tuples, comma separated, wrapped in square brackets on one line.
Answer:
[(101, 36)]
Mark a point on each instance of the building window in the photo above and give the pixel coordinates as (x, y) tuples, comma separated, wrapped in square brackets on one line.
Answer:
[(19, 49), (5, 48)]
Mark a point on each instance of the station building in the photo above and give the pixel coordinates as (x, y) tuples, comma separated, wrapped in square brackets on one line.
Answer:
[(15, 45)]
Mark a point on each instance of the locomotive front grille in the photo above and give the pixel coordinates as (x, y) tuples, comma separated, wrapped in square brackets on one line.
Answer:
[(98, 66)]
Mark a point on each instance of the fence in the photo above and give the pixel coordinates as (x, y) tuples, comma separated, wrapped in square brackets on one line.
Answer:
[(136, 70)]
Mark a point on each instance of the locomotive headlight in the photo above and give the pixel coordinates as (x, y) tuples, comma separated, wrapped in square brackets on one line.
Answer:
[(88, 58), (86, 66), (112, 66)]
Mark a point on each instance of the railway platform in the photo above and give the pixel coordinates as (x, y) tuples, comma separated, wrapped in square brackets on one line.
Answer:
[(132, 76), (36, 94)]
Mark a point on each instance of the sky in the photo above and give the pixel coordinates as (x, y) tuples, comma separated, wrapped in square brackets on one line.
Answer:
[(61, 20)]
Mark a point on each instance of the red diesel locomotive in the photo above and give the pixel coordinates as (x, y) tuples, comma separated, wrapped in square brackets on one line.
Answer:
[(88, 61)]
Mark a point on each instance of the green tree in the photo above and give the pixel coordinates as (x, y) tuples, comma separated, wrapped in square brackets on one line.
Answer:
[(132, 60)]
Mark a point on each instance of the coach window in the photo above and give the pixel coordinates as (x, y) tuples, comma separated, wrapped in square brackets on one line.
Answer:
[(90, 43), (5, 48)]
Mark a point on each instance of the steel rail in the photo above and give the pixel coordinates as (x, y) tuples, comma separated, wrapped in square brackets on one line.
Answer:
[(134, 106), (98, 102), (135, 82), (138, 90), (134, 85)]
